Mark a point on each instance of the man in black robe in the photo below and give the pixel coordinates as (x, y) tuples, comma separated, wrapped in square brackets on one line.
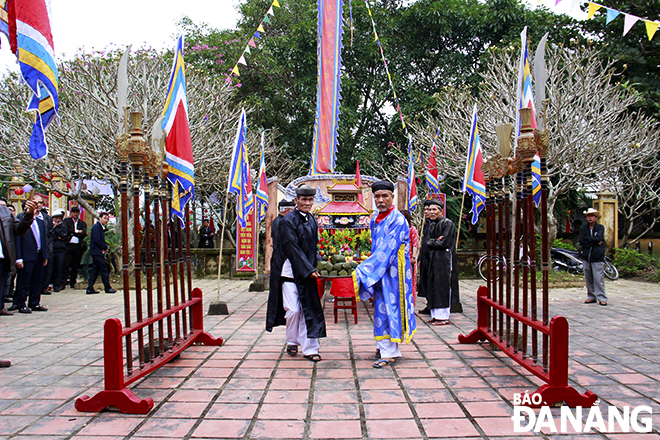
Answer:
[(294, 298), (276, 311), (422, 260), (438, 274)]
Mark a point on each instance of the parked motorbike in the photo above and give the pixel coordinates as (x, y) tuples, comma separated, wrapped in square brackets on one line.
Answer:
[(569, 261)]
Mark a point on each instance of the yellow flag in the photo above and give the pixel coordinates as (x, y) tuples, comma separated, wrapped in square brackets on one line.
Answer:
[(593, 7), (275, 3), (261, 28), (176, 198), (235, 70), (651, 27)]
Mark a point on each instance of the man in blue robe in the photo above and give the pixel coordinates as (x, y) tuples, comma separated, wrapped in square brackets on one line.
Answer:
[(386, 277)]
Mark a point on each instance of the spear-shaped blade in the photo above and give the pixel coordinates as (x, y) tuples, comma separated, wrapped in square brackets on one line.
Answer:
[(540, 76), (122, 88)]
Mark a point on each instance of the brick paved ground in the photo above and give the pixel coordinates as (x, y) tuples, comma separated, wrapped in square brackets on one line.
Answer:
[(250, 388)]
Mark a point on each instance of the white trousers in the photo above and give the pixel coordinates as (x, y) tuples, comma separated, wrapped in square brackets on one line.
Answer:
[(296, 327), (388, 349), (440, 313)]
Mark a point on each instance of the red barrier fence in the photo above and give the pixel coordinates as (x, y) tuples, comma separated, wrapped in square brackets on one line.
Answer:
[(115, 393), (178, 319), (508, 309)]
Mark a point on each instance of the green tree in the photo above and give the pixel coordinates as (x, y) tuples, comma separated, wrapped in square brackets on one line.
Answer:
[(428, 44), (636, 56)]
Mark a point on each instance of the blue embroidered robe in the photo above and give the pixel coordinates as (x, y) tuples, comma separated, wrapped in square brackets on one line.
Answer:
[(386, 277)]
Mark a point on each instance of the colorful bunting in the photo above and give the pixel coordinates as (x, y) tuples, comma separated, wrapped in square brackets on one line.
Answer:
[(382, 54), (651, 27), (629, 19), (252, 43), (629, 22), (611, 15)]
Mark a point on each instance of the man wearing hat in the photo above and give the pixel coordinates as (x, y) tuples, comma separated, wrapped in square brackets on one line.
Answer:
[(592, 253), (386, 277), (59, 236), (438, 271), (294, 300)]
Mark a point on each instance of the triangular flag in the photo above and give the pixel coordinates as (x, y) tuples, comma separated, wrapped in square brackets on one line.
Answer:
[(252, 43), (235, 70), (629, 22), (593, 7), (375, 36), (611, 15), (557, 2), (247, 49), (270, 11), (242, 61), (260, 28), (266, 19), (275, 3), (651, 27), (256, 34)]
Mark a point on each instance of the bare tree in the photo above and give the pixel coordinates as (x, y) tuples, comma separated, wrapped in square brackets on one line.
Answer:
[(592, 131), (83, 145), (636, 185)]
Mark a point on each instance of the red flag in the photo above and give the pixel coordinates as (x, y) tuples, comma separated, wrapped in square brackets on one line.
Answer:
[(358, 182)]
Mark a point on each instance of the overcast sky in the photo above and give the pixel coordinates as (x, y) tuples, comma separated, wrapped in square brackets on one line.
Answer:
[(96, 24)]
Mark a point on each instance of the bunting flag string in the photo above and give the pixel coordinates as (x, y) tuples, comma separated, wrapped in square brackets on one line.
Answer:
[(252, 43), (387, 70), (629, 19)]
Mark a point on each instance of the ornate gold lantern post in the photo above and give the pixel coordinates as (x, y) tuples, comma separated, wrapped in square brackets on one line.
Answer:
[(525, 152), (149, 157), (542, 138), (122, 152), (155, 170), (136, 153)]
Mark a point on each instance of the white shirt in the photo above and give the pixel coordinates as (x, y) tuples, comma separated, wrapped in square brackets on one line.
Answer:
[(35, 231), (74, 239)]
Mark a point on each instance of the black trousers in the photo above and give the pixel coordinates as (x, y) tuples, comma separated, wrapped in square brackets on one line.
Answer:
[(29, 282), (72, 257), (4, 286), (56, 262), (99, 266)]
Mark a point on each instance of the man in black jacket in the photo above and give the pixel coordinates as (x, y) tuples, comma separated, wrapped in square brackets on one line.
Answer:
[(592, 253), (97, 250), (206, 235), (9, 229), (59, 236), (294, 300), (31, 259), (74, 251)]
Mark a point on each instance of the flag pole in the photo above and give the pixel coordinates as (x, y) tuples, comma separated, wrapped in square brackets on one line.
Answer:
[(460, 218), (222, 240), (257, 226)]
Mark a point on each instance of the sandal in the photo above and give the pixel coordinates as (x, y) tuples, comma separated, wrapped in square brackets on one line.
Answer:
[(602, 303), (441, 322), (590, 301), (292, 350), (313, 357), (383, 362), (377, 355)]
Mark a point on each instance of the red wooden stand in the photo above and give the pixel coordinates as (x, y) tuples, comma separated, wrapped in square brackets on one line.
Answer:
[(556, 388), (115, 393)]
